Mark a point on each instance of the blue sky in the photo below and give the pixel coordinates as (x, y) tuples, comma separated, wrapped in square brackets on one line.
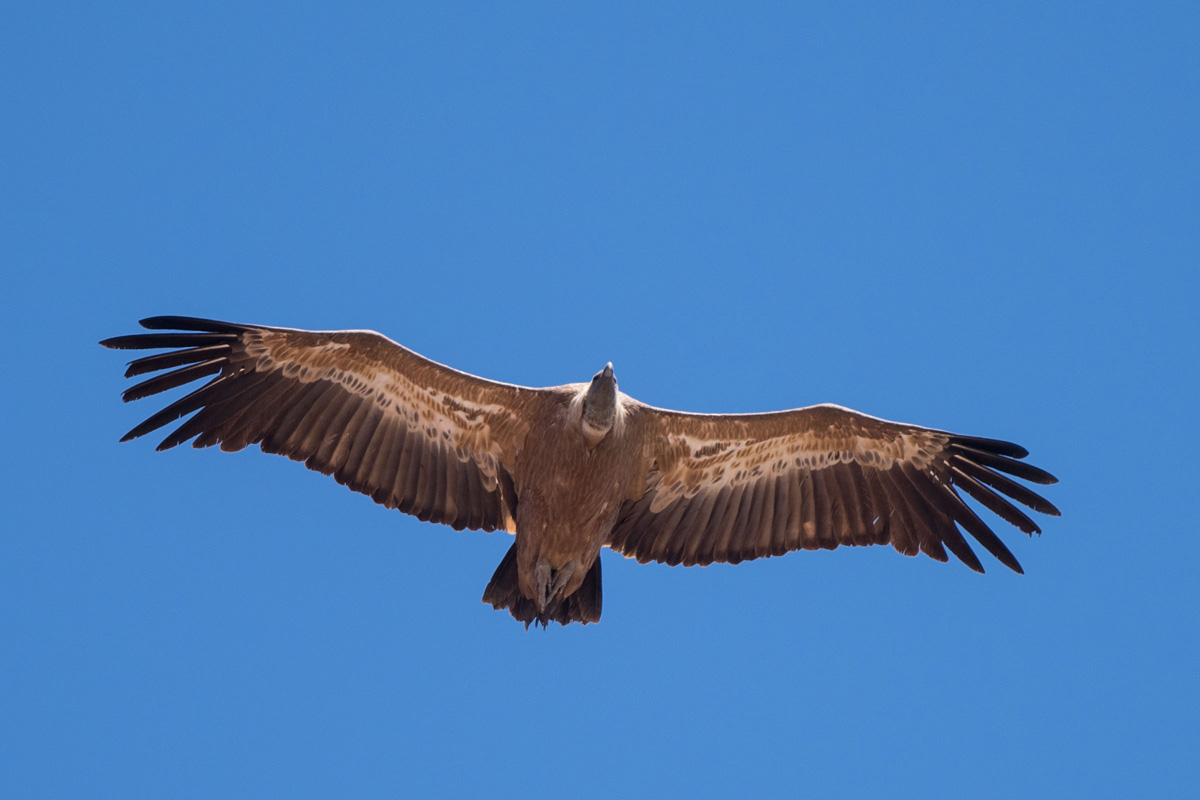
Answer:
[(982, 218)]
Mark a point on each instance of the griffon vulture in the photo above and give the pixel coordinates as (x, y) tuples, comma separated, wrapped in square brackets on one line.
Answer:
[(570, 469)]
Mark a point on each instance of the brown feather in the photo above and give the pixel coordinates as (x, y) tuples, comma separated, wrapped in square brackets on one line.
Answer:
[(694, 521), (822, 536), (706, 542), (1006, 486), (337, 432), (175, 358), (665, 528), (359, 410), (180, 408), (366, 445), (762, 521), (157, 341), (900, 526), (735, 520), (782, 517), (1020, 469), (805, 514), (924, 524), (995, 503), (941, 508)]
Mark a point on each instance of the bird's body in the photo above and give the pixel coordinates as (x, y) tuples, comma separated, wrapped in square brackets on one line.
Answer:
[(560, 520), (572, 469)]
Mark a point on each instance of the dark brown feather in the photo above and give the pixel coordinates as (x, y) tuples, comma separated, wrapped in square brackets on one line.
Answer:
[(704, 543), (997, 446), (1020, 469), (353, 472), (973, 525), (666, 525), (180, 408), (805, 513), (336, 432), (175, 358), (783, 515), (693, 523), (156, 341), (338, 455), (899, 525), (1005, 486), (408, 470), (823, 536), (190, 324), (940, 505), (298, 400), (244, 417), (995, 503), (727, 547), (924, 523), (762, 520)]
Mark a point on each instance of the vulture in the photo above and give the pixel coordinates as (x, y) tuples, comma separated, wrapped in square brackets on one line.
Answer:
[(572, 469)]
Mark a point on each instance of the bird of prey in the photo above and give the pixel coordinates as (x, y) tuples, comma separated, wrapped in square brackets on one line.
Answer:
[(572, 469)]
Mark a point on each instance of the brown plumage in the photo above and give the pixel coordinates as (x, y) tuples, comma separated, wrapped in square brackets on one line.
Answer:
[(570, 469)]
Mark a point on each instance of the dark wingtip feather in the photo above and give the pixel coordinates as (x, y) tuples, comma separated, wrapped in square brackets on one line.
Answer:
[(175, 358), (171, 380), (998, 446), (190, 324), (957, 545), (119, 342), (1003, 485), (155, 341), (181, 407), (1005, 464)]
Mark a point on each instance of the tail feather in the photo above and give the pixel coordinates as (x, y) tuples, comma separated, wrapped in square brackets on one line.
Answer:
[(504, 591)]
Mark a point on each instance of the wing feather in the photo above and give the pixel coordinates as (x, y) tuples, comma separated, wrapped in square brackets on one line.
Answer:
[(994, 502), (999, 461), (172, 380), (782, 517), (892, 509), (338, 450), (735, 518), (175, 358), (762, 519), (384, 421), (1004, 485), (697, 548), (806, 514), (736, 487), (821, 534), (940, 515)]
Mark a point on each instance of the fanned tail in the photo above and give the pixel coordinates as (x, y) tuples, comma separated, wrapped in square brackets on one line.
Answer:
[(504, 591)]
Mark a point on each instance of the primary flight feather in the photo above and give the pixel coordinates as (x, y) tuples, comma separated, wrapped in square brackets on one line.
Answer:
[(570, 469)]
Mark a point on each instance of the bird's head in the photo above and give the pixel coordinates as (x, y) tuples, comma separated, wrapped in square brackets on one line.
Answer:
[(600, 406)]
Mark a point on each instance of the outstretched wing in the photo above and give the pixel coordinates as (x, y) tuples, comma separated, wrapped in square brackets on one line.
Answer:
[(409, 432), (736, 487)]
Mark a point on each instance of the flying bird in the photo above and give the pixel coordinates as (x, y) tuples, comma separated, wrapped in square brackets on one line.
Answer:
[(572, 469)]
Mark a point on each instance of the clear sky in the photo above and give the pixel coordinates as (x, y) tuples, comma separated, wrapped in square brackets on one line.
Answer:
[(978, 217)]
